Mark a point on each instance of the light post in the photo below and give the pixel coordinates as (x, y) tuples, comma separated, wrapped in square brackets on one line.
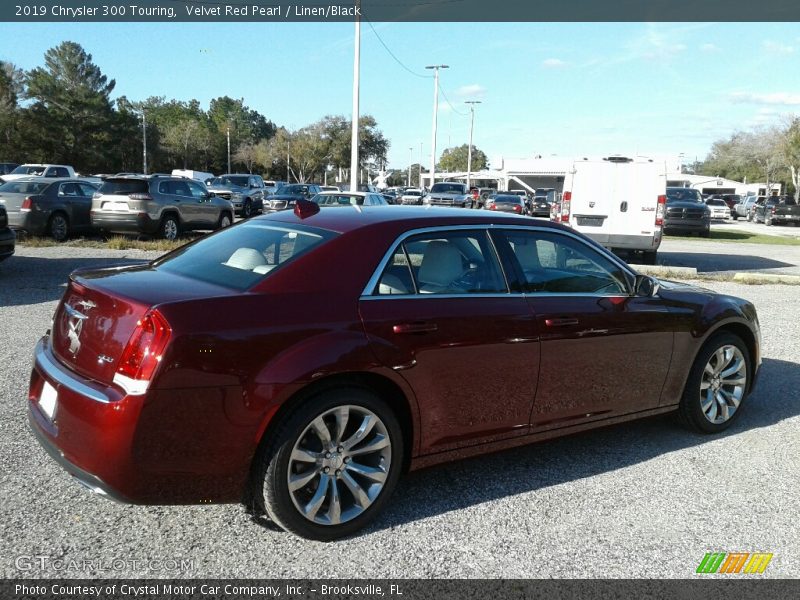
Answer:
[(229, 148), (472, 104), (410, 160), (288, 167), (356, 90), (144, 143), (435, 117)]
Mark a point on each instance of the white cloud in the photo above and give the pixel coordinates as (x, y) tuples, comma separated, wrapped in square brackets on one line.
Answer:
[(709, 48), (472, 90), (553, 63), (777, 48), (776, 98)]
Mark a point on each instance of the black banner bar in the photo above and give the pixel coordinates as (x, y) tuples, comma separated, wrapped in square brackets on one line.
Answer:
[(276, 11), (715, 588)]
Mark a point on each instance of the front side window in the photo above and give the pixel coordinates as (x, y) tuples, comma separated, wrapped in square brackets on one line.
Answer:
[(452, 262), (553, 263)]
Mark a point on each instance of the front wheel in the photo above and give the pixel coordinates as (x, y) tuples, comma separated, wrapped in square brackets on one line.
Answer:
[(717, 384), (59, 227), (224, 221), (247, 208), (331, 465)]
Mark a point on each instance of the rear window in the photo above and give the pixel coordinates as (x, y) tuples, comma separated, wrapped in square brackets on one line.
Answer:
[(508, 198), (715, 202), (23, 187), (123, 187), (240, 257)]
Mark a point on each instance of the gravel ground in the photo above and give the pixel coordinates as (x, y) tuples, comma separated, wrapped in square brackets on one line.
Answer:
[(645, 499)]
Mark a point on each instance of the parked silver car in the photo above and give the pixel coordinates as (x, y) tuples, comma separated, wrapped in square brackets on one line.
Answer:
[(157, 205)]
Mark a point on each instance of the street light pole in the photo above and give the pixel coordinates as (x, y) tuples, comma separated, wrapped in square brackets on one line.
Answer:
[(288, 167), (410, 160), (354, 168), (472, 104), (435, 116), (144, 142), (229, 148)]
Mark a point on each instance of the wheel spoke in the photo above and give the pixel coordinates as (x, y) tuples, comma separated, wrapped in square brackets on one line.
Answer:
[(707, 400), (371, 473), (306, 456), (723, 406), (342, 416), (737, 381), (310, 510), (713, 409), (361, 433), (705, 384), (300, 480), (322, 430), (719, 362), (378, 442), (335, 508), (360, 496), (734, 368)]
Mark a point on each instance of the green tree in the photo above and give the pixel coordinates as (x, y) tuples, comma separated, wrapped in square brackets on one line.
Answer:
[(455, 159), (790, 146), (11, 88), (71, 117)]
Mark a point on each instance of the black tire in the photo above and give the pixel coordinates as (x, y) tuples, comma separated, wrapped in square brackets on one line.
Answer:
[(735, 216), (247, 208), (58, 226), (690, 410), (750, 217), (225, 220), (649, 257), (705, 233), (273, 464), (170, 228), (768, 219)]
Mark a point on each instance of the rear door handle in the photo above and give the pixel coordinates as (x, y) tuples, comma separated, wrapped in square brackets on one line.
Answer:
[(561, 322), (415, 328)]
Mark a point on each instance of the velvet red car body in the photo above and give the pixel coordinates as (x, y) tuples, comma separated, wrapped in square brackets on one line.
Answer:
[(165, 384)]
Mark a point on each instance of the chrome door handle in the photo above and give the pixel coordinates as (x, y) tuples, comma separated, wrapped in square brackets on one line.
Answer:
[(561, 322)]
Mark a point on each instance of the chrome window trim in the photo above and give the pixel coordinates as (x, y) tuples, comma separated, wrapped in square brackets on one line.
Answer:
[(369, 289)]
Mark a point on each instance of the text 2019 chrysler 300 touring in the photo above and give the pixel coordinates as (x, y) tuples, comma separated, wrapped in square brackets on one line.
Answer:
[(305, 359)]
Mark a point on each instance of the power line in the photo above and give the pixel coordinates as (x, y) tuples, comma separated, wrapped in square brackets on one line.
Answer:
[(397, 60), (453, 108)]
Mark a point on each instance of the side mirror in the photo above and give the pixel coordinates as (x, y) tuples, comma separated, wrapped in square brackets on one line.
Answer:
[(646, 286)]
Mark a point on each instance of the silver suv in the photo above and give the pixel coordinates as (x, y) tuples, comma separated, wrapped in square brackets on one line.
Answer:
[(159, 205)]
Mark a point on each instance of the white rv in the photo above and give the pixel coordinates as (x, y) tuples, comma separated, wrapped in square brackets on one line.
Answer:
[(617, 201), (196, 175)]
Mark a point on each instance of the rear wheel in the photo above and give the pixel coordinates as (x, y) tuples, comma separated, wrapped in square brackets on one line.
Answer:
[(169, 228), (58, 227), (331, 465), (768, 219), (717, 384), (705, 233)]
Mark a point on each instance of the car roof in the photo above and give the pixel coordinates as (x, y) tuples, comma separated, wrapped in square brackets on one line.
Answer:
[(336, 193), (354, 218)]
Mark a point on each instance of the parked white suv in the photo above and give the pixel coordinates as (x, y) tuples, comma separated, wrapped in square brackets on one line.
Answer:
[(37, 170)]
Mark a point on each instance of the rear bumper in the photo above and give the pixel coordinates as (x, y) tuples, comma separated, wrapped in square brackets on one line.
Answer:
[(34, 222), (124, 222), (8, 240), (646, 243), (170, 446)]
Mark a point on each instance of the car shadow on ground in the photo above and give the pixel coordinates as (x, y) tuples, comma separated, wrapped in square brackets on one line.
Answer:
[(709, 263), (26, 280), (466, 483)]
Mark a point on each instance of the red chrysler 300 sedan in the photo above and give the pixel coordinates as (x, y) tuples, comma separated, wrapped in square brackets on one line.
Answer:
[(304, 359)]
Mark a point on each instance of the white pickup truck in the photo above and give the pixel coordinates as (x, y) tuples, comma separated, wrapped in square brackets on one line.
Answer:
[(37, 170)]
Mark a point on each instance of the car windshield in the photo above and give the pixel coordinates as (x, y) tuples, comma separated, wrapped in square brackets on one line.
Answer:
[(238, 181), (447, 188), (27, 170), (412, 193), (240, 257), (683, 195), (23, 187), (716, 202), (290, 189)]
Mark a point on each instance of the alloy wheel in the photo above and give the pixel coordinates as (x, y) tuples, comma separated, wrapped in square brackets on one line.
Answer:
[(723, 384), (59, 227), (170, 229), (339, 465)]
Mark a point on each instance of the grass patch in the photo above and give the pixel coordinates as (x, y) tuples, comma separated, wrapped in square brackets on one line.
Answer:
[(117, 242), (728, 235)]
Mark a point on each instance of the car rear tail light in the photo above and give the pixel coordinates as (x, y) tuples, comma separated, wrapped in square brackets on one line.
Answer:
[(140, 196), (27, 204), (662, 206), (143, 353), (565, 202), (492, 206), (517, 209)]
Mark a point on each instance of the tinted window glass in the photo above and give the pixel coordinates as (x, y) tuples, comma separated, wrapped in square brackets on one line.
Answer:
[(683, 195), (456, 262), (396, 278), (559, 264), (87, 190), (197, 191), (448, 188), (23, 187), (242, 256), (124, 187)]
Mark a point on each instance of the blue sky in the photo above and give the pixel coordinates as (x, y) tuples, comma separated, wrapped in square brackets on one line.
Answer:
[(565, 88)]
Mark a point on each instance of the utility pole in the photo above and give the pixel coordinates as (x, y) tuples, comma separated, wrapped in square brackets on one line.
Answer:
[(356, 91), (410, 160), (144, 142), (229, 148), (419, 173), (435, 116), (472, 104), (288, 172)]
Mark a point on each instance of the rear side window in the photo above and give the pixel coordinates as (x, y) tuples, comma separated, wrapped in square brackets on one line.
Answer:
[(23, 187), (240, 257), (123, 187)]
